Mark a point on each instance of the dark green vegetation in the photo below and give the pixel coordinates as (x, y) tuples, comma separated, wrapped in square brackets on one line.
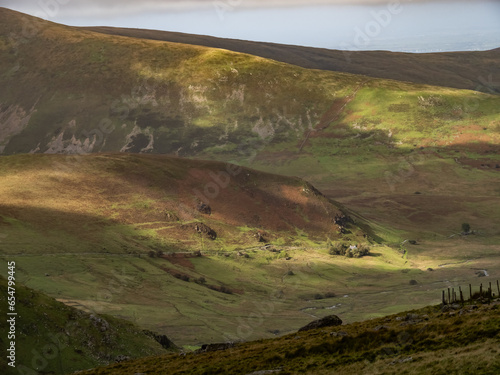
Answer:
[(53, 338), (462, 70), (459, 341)]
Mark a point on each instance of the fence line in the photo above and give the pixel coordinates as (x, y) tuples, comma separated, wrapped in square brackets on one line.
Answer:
[(453, 297)]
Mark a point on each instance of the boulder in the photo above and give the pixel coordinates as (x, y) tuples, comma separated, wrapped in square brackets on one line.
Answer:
[(204, 208), (327, 321), (214, 347), (205, 230)]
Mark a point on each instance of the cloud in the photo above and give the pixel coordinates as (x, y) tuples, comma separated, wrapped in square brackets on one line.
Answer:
[(54, 8)]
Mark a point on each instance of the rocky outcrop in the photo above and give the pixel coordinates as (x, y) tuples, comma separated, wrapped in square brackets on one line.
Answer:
[(205, 230), (204, 209), (327, 321), (215, 347), (163, 340)]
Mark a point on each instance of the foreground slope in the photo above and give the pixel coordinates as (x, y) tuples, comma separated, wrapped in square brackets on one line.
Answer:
[(478, 70), (52, 338), (464, 340)]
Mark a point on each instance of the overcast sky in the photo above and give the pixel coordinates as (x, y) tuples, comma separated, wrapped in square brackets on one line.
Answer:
[(416, 25)]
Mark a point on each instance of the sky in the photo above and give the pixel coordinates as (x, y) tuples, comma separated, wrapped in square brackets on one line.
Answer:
[(400, 25)]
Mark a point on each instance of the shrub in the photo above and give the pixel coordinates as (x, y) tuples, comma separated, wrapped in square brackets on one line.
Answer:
[(349, 251), (338, 249)]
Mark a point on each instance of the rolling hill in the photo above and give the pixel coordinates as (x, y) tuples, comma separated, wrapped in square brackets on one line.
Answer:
[(369, 143), (177, 245), (461, 70)]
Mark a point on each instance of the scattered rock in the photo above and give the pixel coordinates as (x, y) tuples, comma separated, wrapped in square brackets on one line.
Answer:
[(339, 333), (204, 209), (99, 323), (205, 229), (170, 216), (378, 328), (447, 308), (402, 360), (327, 321), (264, 372), (430, 269), (481, 273), (122, 358), (341, 220), (260, 237), (410, 316), (308, 189)]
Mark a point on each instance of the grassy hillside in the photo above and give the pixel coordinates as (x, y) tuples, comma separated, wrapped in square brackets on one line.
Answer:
[(461, 341), (461, 70), (53, 338), (410, 162), (120, 234), (72, 91), (127, 235)]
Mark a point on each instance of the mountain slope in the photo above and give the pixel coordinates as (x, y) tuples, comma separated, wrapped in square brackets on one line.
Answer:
[(51, 337), (66, 90), (457, 341), (462, 70)]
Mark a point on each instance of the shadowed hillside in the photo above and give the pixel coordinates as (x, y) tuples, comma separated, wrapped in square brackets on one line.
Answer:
[(53, 338)]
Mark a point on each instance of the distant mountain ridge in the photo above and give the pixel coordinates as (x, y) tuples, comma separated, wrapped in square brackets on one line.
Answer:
[(463, 70)]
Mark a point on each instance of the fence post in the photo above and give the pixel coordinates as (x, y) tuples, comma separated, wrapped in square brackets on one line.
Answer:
[(449, 296), (498, 288), (461, 295), (470, 291), (444, 299)]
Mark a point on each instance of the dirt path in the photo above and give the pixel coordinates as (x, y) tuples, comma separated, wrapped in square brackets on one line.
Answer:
[(332, 114)]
